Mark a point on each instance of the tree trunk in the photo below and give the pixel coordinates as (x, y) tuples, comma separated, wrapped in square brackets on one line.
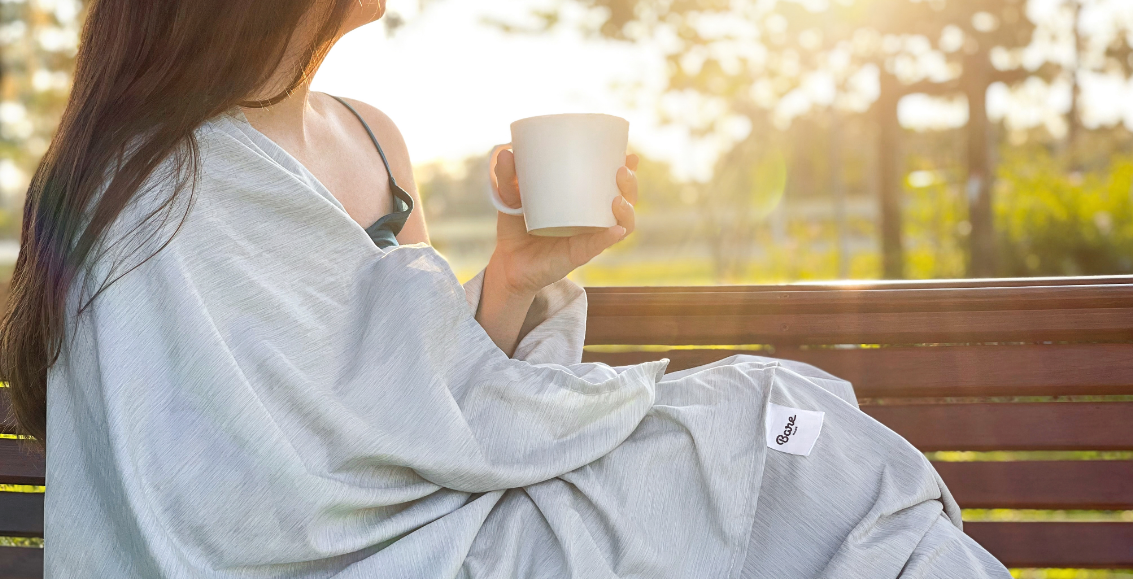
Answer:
[(890, 160), (982, 245), (838, 188), (1074, 120)]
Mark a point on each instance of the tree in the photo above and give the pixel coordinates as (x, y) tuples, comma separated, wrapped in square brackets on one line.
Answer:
[(37, 51), (753, 55), (1106, 51)]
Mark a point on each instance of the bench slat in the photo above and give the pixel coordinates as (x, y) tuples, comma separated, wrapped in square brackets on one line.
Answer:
[(21, 563), (1011, 426), (943, 371), (21, 514), (889, 284), (18, 466), (953, 371), (1076, 545), (1055, 485), (667, 302), (1083, 325)]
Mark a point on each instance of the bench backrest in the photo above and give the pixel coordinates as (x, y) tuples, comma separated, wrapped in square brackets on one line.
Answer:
[(991, 365), (988, 365)]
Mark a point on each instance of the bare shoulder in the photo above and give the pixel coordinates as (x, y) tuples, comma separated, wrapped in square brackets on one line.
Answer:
[(389, 136), (393, 144)]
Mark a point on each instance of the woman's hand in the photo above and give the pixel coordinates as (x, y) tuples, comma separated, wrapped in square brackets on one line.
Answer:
[(528, 263), (523, 264)]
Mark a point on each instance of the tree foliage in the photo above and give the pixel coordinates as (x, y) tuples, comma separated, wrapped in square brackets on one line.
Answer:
[(1054, 221), (38, 42), (770, 61)]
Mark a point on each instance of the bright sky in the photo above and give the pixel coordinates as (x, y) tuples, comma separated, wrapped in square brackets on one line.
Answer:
[(454, 83)]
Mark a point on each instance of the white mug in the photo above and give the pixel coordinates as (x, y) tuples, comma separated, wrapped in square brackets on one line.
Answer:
[(567, 167)]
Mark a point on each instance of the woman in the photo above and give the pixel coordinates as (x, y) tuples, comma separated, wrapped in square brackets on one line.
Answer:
[(245, 361)]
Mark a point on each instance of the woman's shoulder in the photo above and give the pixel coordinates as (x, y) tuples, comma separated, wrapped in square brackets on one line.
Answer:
[(389, 136), (380, 122)]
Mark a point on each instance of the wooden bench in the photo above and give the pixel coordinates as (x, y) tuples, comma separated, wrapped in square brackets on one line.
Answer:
[(989, 365)]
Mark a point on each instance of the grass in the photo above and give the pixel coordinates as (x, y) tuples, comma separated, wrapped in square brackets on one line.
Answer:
[(1018, 455), (21, 542), (1042, 516), (1071, 574)]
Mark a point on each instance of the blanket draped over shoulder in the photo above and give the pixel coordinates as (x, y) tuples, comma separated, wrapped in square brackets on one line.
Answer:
[(271, 395)]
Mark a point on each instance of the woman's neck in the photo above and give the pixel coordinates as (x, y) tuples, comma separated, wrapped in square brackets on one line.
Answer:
[(287, 120), (291, 119)]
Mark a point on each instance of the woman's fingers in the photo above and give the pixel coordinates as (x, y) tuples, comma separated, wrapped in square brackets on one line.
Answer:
[(627, 183), (587, 247), (624, 213), (506, 181), (508, 184)]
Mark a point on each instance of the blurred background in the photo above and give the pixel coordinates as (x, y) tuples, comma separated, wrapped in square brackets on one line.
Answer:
[(781, 140)]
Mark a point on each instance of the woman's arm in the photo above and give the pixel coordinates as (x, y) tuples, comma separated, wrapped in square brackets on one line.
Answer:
[(393, 144), (523, 264), (502, 309)]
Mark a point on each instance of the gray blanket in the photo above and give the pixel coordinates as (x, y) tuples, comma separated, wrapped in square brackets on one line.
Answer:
[(273, 396)]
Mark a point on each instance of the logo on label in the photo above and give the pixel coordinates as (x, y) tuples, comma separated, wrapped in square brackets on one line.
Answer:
[(792, 430), (787, 432)]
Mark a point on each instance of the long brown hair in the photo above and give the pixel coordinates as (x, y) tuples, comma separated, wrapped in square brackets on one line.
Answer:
[(147, 75)]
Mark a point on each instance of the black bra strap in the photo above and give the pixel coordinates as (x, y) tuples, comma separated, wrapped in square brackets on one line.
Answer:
[(372, 138), (384, 231)]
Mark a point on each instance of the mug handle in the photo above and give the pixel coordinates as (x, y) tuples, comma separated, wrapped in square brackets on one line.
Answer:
[(493, 186)]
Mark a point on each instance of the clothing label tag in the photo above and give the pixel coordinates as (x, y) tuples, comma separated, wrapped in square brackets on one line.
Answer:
[(791, 430)]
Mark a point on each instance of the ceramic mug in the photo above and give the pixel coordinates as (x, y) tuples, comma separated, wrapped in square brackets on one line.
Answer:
[(567, 167)]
